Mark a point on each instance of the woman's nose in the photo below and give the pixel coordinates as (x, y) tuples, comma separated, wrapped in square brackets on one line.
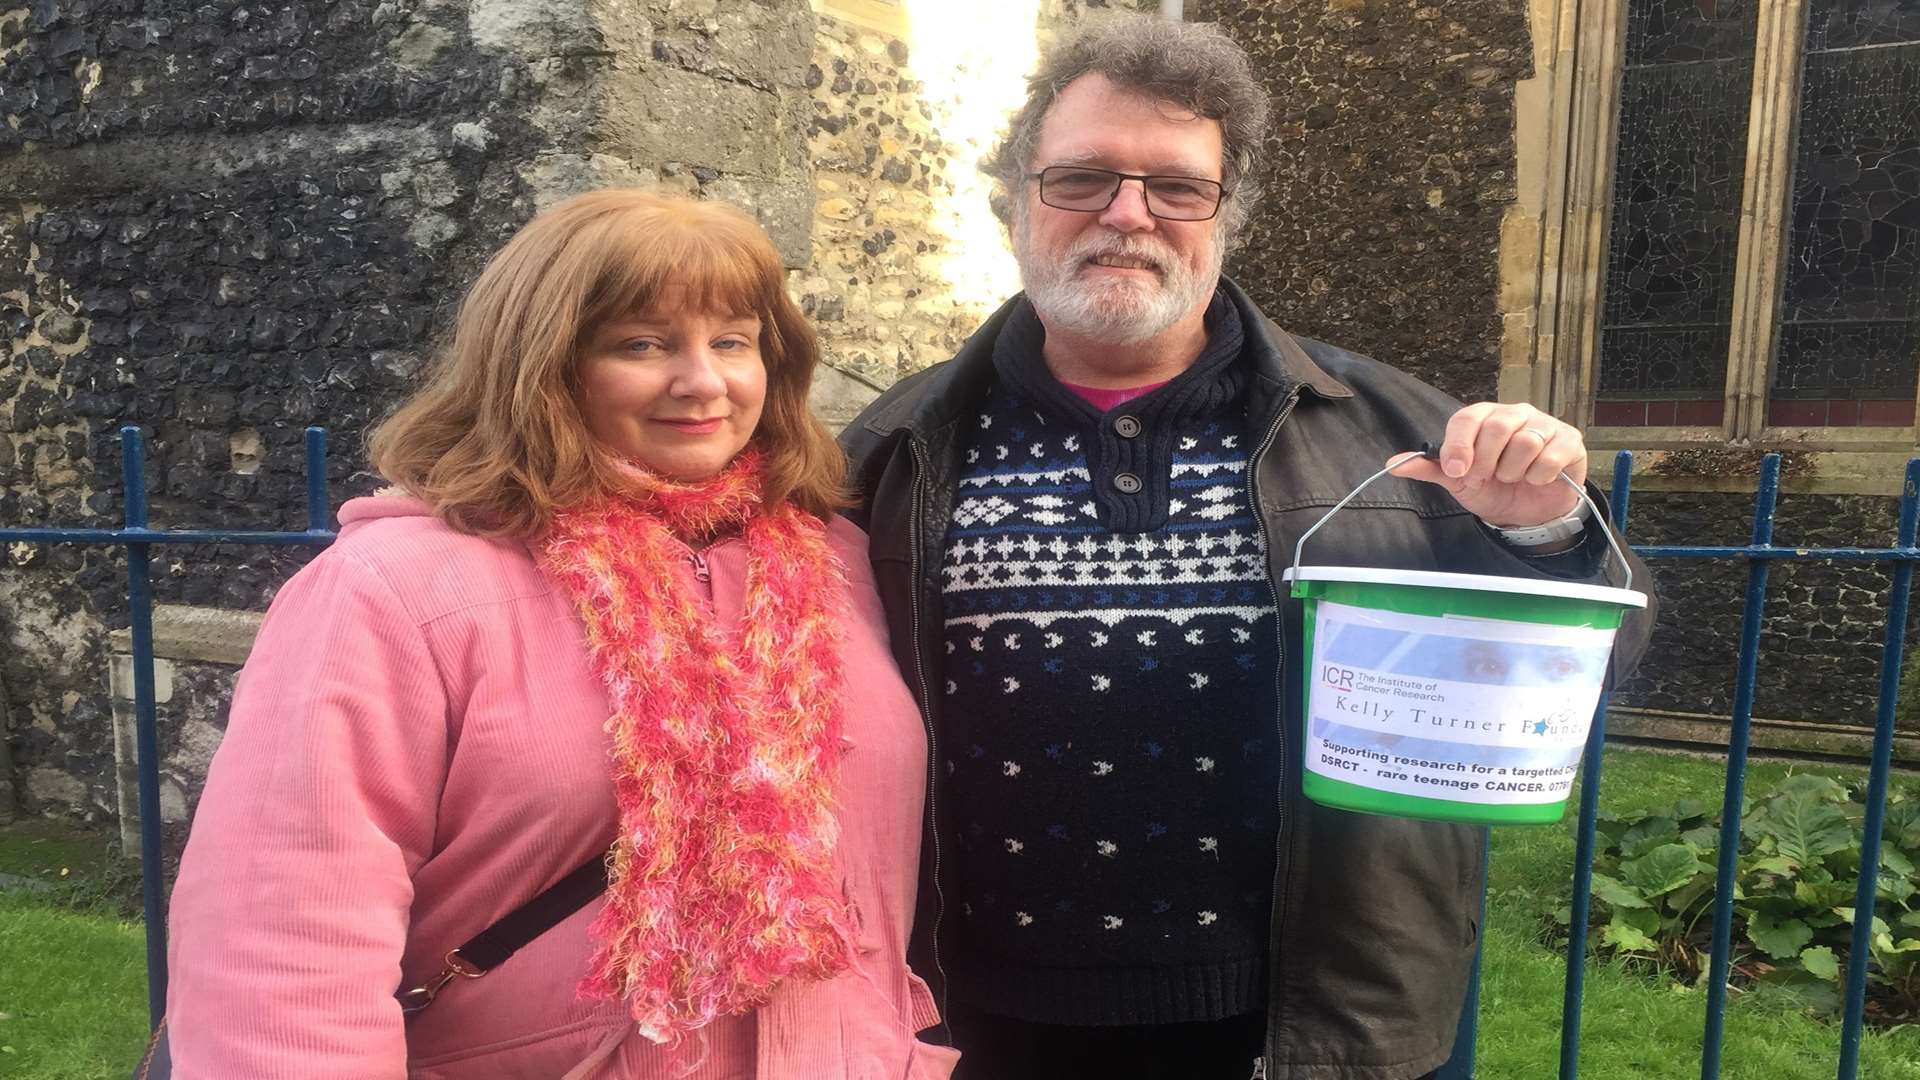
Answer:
[(699, 375)]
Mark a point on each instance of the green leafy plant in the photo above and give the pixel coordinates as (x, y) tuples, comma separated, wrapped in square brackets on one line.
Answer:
[(1796, 878)]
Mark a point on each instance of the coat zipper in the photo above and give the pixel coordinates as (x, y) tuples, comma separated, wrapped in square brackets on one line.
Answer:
[(916, 618), (1280, 700), (699, 562)]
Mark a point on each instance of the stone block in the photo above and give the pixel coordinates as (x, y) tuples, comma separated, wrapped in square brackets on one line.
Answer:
[(120, 677), (52, 789), (620, 27), (245, 452), (660, 114), (553, 178), (1711, 733), (838, 396), (764, 44), (188, 730), (430, 231), (182, 632), (783, 207), (533, 29), (421, 46), (470, 136), (198, 741)]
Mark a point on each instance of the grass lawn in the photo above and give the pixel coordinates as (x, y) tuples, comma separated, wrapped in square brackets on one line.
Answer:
[(50, 853), (1631, 1027), (73, 990)]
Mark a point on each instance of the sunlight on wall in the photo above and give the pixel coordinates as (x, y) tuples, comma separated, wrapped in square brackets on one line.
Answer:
[(974, 60)]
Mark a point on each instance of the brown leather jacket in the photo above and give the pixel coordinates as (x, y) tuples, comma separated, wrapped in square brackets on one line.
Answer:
[(1375, 919)]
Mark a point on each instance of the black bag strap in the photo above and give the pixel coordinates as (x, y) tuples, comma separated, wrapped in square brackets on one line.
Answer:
[(482, 953), (490, 947)]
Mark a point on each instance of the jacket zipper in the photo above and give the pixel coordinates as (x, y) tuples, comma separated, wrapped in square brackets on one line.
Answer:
[(699, 562), (916, 619), (1281, 865)]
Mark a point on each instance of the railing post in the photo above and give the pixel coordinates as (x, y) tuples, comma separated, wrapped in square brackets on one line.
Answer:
[(1890, 663), (133, 475), (1459, 1065), (1763, 507), (1573, 992), (316, 479), (138, 539)]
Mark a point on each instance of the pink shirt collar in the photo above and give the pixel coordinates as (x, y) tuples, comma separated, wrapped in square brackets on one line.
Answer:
[(1104, 399)]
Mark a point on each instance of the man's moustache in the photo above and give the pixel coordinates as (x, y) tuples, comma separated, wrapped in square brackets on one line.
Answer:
[(1156, 260)]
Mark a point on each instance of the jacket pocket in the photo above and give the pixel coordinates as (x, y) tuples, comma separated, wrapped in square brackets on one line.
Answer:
[(922, 1011), (930, 1062)]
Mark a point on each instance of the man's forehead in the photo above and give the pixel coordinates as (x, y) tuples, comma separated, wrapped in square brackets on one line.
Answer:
[(1096, 122), (1195, 163)]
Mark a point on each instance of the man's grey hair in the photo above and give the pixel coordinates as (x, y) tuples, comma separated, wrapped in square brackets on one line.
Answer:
[(1195, 66)]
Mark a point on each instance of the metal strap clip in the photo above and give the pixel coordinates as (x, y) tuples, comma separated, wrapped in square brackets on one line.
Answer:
[(458, 966)]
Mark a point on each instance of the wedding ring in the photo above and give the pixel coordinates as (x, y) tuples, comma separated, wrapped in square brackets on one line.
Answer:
[(1537, 433)]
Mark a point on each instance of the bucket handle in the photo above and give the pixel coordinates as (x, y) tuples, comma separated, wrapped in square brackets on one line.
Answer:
[(1427, 451)]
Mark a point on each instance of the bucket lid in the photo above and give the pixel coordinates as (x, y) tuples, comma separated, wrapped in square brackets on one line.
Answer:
[(1434, 579)]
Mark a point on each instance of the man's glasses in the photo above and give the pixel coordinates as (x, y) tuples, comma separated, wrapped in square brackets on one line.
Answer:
[(1169, 198)]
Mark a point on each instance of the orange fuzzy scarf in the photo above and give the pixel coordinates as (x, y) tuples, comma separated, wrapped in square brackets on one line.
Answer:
[(724, 748)]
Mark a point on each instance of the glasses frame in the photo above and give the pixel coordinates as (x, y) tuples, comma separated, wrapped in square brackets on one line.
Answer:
[(1120, 181)]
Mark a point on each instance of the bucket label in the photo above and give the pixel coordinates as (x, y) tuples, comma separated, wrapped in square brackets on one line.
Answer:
[(1482, 711)]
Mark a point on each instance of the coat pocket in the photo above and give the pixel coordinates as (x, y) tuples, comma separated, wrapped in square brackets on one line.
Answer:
[(930, 1062), (922, 1011)]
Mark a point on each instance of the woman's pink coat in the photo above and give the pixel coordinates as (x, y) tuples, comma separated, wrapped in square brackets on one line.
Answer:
[(416, 749)]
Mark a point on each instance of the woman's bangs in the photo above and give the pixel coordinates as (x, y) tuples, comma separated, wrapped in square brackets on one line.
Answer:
[(709, 265)]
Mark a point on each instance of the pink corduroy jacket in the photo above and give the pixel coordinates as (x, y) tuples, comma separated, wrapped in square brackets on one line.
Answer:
[(416, 749)]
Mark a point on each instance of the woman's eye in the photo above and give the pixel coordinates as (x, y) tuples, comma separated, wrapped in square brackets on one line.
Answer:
[(640, 346)]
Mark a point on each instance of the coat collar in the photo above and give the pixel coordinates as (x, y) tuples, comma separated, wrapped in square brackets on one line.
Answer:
[(952, 389)]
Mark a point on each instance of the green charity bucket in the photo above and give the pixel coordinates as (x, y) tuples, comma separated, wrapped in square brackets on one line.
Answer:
[(1451, 697)]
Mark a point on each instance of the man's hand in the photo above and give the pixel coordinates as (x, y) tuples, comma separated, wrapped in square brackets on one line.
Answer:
[(1503, 463)]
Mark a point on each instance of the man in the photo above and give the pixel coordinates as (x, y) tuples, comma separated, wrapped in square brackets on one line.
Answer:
[(1078, 526)]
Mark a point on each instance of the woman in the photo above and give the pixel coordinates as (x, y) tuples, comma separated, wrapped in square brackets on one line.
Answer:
[(609, 608)]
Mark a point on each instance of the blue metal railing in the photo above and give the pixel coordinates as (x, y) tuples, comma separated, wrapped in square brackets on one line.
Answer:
[(1761, 553), (1576, 984), (138, 539)]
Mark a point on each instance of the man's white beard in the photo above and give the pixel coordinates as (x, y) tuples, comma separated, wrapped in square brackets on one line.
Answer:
[(1116, 310)]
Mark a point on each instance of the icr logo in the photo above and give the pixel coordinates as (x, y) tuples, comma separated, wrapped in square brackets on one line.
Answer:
[(1338, 677)]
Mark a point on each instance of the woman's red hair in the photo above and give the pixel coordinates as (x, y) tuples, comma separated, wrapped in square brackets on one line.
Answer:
[(494, 439)]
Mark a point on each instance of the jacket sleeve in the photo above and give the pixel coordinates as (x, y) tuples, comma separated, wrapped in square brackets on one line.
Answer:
[(1593, 562), (868, 451), (861, 448), (290, 913)]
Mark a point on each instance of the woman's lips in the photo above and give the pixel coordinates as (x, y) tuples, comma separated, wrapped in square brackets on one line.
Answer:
[(694, 427)]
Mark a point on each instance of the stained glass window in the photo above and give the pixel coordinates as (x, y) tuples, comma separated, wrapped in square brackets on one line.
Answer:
[(1846, 24), (1849, 330), (1674, 230)]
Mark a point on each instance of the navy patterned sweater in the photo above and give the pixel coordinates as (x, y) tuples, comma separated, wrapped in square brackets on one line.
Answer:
[(1111, 698)]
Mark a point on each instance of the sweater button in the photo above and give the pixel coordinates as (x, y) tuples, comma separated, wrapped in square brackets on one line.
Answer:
[(1127, 484), (1126, 427)]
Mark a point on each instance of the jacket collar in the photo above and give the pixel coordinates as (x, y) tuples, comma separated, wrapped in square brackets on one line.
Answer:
[(1278, 364)]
